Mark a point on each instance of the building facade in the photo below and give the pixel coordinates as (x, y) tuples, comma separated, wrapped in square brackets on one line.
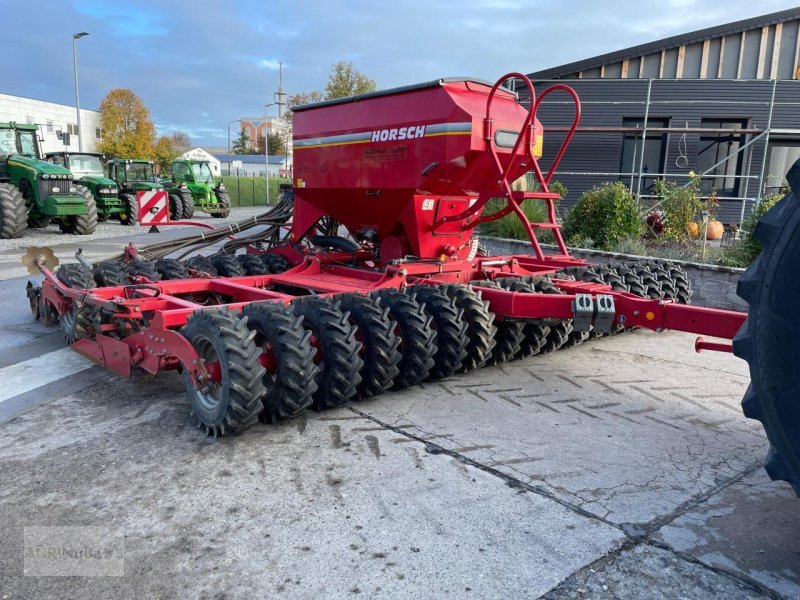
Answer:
[(256, 128), (58, 128), (723, 101), (254, 165)]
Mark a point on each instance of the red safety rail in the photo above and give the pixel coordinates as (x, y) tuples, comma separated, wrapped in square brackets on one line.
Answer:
[(523, 151)]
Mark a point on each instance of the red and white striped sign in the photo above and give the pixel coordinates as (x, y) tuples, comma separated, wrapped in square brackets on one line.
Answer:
[(153, 208)]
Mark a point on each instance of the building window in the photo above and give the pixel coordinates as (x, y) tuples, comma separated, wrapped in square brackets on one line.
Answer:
[(49, 125), (29, 120), (72, 129), (97, 133), (655, 151), (782, 154), (715, 147)]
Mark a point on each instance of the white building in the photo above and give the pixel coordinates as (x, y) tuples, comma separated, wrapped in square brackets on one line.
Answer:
[(200, 154), (254, 165), (54, 120)]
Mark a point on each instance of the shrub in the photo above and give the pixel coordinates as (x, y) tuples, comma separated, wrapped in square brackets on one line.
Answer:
[(606, 215), (510, 226), (682, 205)]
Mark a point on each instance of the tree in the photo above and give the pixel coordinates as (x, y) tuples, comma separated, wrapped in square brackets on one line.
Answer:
[(241, 145), (277, 147), (346, 80), (181, 140), (127, 131), (164, 152)]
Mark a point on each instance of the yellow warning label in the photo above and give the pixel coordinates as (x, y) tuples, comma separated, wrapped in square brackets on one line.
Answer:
[(538, 146)]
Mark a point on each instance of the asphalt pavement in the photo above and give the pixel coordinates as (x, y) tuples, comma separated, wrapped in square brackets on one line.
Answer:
[(622, 468)]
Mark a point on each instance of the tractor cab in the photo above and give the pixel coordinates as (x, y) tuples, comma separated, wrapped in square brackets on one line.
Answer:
[(208, 195), (134, 175)]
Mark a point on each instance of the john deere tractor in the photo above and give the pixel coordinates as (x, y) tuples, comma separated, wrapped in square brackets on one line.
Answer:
[(207, 195), (137, 175), (33, 191), (87, 169)]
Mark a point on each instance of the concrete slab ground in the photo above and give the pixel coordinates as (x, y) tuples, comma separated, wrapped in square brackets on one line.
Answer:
[(622, 468)]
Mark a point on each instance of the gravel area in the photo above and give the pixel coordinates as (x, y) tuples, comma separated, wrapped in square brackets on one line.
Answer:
[(51, 236)]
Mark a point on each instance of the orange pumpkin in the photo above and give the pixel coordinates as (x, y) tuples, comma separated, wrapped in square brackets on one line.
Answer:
[(695, 230), (715, 230)]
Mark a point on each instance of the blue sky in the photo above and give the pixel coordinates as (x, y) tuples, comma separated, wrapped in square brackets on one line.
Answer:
[(198, 65)]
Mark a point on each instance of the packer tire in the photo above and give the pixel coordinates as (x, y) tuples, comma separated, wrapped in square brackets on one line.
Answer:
[(234, 403), (170, 268), (287, 358), (451, 329), (379, 344), (480, 325), (337, 351), (417, 337)]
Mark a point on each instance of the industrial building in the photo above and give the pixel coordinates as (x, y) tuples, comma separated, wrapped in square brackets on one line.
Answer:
[(722, 101), (58, 126)]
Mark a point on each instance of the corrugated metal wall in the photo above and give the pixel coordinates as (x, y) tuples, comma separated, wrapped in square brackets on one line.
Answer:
[(683, 102)]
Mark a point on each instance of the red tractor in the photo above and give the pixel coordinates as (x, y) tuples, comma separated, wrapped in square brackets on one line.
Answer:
[(368, 275)]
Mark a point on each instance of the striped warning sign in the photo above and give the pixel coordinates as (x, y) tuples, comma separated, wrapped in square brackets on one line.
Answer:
[(153, 207)]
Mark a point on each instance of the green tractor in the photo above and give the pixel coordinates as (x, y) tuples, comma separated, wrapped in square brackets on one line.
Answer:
[(208, 195), (137, 175), (87, 169), (33, 191)]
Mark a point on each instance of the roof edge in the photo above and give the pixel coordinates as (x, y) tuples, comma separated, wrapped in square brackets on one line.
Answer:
[(667, 43)]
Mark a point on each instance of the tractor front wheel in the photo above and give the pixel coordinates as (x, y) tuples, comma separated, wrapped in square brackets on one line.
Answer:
[(175, 207), (223, 203), (187, 202), (130, 210), (229, 401), (86, 223)]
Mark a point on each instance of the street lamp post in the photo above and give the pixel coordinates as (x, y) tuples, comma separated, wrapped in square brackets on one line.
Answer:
[(229, 143), (75, 38), (266, 149)]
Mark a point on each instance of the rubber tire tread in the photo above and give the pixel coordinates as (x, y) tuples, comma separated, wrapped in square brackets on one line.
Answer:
[(242, 372), (110, 274), (380, 345), (480, 324), (451, 329), (13, 212), (417, 337), (171, 268), (288, 391), (227, 265), (338, 375), (769, 340), (252, 264)]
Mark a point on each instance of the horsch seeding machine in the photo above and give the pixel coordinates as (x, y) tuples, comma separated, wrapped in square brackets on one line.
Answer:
[(367, 274)]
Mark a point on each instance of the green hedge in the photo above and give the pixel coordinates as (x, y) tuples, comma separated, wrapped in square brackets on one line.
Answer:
[(250, 191)]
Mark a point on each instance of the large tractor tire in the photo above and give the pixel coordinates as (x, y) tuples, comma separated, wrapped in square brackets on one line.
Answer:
[(130, 211), (175, 207), (187, 200), (337, 351), (380, 345), (770, 338), (417, 337), (224, 202), (13, 212), (230, 401), (86, 223), (287, 356)]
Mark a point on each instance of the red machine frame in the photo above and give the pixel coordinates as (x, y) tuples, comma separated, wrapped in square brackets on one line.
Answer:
[(153, 312)]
